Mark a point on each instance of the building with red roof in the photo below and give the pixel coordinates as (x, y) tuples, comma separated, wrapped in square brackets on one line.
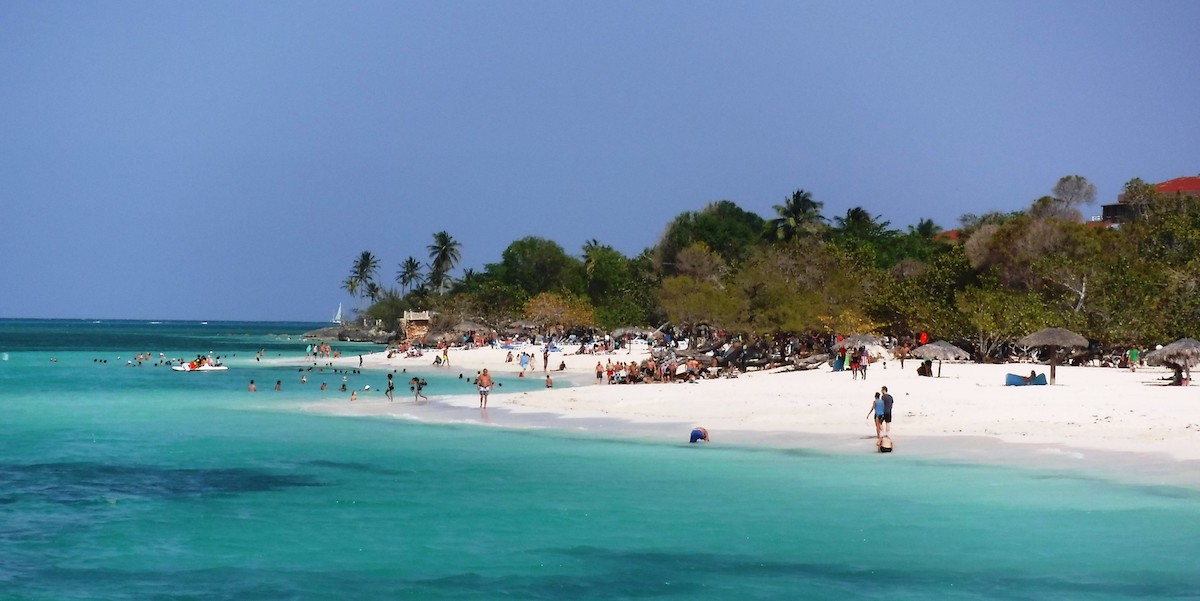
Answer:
[(1124, 211)]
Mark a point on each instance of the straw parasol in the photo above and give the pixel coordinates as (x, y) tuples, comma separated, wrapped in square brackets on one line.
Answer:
[(1184, 352), (859, 340), (631, 330), (940, 350), (1057, 338)]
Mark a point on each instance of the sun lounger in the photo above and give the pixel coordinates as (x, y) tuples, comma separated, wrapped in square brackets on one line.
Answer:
[(1015, 380)]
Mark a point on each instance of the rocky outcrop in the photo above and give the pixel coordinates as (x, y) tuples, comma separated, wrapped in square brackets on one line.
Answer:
[(345, 334)]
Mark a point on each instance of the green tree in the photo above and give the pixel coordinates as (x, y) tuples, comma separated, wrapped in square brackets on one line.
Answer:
[(362, 275), (799, 215), (866, 237), (689, 302), (559, 311), (995, 315), (409, 274), (725, 228), (537, 265), (444, 255)]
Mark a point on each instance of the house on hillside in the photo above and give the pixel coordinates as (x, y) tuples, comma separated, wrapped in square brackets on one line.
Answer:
[(415, 325), (1123, 210)]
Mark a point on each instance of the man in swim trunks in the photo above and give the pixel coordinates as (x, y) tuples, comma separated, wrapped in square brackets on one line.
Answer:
[(391, 389), (887, 410), (699, 434), (485, 386)]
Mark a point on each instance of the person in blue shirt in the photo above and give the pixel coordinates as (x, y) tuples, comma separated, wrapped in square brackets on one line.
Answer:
[(876, 410)]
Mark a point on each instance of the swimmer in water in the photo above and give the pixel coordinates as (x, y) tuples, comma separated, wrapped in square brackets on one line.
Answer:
[(699, 434)]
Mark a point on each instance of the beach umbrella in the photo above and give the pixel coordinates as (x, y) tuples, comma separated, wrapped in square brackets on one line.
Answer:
[(858, 340), (940, 350), (1058, 338), (468, 326), (1184, 352), (632, 331)]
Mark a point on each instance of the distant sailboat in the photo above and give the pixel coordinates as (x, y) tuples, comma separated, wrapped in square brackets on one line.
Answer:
[(338, 317)]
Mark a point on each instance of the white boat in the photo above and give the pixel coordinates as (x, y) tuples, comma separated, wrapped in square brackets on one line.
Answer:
[(201, 368), (337, 318)]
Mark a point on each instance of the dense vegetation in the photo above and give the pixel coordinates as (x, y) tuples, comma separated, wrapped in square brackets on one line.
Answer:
[(999, 277)]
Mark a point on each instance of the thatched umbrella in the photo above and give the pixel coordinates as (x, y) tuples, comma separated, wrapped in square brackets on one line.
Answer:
[(859, 340), (1058, 338), (940, 350), (631, 330), (469, 326), (1184, 352)]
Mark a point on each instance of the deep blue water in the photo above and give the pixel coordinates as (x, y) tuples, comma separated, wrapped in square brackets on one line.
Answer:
[(140, 483)]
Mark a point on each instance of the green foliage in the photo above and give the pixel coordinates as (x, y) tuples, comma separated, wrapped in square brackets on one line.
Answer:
[(725, 228), (535, 265), (994, 315), (444, 255), (689, 301), (1006, 276), (798, 216)]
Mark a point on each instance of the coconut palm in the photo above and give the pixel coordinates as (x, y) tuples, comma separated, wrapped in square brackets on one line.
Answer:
[(410, 273), (350, 285), (444, 254), (798, 215), (362, 273)]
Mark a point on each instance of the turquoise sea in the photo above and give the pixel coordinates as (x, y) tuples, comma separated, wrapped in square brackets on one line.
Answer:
[(141, 483)]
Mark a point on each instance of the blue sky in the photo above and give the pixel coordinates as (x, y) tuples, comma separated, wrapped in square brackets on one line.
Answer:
[(228, 160)]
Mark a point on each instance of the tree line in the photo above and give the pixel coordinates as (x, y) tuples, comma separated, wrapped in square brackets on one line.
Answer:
[(995, 278)]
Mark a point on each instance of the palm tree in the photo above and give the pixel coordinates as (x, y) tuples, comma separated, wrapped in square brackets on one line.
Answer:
[(590, 248), (859, 223), (363, 271), (798, 215), (925, 228), (444, 254), (409, 274), (351, 285)]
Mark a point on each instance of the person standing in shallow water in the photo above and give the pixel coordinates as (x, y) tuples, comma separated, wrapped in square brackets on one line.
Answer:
[(278, 385), (253, 388), (391, 389), (485, 387)]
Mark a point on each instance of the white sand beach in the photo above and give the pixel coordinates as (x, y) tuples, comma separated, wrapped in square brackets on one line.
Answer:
[(1106, 417)]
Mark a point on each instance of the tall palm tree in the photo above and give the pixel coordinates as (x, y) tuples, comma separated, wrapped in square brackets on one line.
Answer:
[(859, 223), (925, 228), (590, 249), (350, 285), (410, 273), (363, 272), (798, 215), (444, 254)]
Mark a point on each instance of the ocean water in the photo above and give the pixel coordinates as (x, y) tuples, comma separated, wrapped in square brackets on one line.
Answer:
[(141, 483)]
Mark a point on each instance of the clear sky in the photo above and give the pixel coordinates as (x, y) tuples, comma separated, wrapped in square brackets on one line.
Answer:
[(229, 160)]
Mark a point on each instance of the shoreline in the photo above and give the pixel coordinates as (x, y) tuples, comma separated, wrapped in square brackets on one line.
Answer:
[(1102, 421)]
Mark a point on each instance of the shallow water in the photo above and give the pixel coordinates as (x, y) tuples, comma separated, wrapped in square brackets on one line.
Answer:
[(140, 483)]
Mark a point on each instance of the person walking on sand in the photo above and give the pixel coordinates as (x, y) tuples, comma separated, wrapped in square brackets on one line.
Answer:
[(876, 411), (887, 411), (485, 387), (391, 389)]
